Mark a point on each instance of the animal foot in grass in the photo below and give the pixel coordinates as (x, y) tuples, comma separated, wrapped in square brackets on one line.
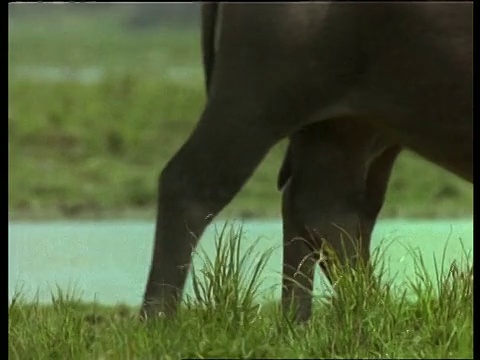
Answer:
[(149, 315)]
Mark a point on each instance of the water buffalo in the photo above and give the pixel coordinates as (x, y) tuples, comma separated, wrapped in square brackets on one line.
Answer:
[(350, 84)]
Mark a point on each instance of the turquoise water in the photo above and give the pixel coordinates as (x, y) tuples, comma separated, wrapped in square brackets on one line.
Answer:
[(108, 262)]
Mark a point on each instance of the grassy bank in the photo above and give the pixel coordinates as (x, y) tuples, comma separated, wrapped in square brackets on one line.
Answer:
[(96, 111), (70, 330), (424, 318)]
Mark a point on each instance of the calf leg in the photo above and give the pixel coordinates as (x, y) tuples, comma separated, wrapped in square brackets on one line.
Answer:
[(376, 183), (298, 264), (334, 194)]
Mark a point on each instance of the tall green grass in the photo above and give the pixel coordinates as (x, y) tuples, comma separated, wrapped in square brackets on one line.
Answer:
[(424, 318)]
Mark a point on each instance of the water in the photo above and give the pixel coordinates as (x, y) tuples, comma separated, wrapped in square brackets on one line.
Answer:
[(108, 262)]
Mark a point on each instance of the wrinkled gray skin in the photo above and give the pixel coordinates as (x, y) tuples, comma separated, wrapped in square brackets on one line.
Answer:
[(350, 84)]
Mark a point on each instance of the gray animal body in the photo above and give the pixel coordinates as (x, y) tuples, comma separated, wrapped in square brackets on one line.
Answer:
[(350, 84)]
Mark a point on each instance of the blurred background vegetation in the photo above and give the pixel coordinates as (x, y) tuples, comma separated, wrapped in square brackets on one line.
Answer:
[(102, 95)]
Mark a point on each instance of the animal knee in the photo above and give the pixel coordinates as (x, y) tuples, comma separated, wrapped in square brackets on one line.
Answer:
[(181, 194)]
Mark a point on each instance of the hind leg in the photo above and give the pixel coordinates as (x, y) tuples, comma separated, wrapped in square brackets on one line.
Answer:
[(376, 183), (298, 263), (335, 190)]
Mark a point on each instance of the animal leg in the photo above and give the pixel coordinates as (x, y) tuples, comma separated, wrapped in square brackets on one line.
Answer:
[(298, 265), (376, 184), (332, 196), (199, 181)]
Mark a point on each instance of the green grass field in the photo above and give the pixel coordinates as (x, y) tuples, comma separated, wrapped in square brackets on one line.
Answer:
[(96, 111), (423, 318)]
